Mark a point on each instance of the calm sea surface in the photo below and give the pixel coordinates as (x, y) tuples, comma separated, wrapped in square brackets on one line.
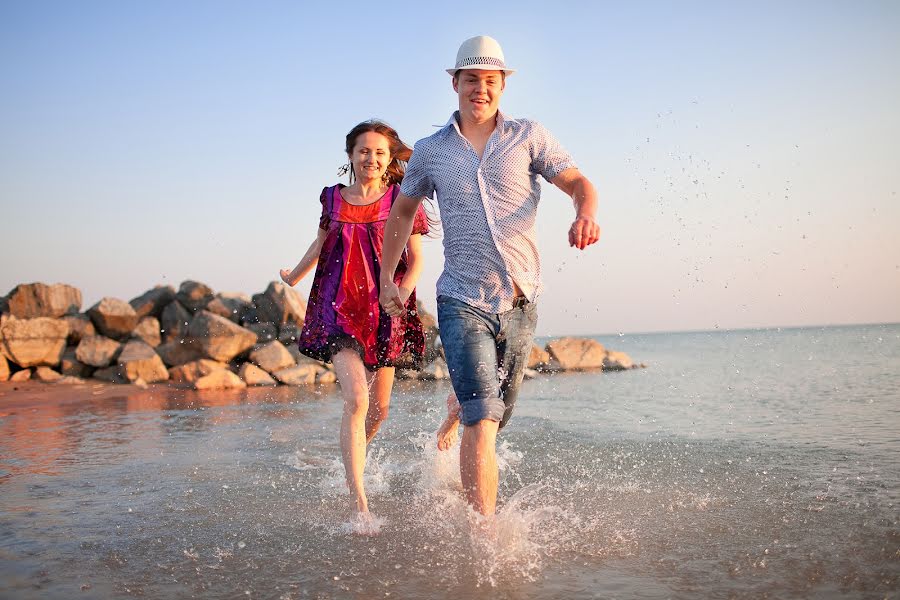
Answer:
[(742, 464)]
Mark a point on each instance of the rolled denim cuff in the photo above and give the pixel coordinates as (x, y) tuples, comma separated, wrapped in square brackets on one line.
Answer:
[(479, 409)]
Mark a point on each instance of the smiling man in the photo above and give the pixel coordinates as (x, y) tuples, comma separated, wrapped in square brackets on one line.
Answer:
[(484, 167)]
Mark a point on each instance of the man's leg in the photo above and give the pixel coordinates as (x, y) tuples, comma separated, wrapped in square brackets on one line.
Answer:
[(469, 337), (478, 465)]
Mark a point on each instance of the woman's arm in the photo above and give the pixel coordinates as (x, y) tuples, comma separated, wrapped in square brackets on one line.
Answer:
[(307, 263)]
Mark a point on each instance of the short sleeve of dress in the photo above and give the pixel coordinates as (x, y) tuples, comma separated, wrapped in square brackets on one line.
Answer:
[(420, 223), (325, 219)]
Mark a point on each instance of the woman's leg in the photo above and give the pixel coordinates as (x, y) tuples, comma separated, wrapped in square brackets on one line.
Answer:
[(352, 375), (380, 401)]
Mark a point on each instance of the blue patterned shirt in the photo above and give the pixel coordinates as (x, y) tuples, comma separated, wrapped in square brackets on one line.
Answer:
[(488, 206)]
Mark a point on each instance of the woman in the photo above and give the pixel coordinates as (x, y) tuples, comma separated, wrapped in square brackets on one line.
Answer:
[(344, 322)]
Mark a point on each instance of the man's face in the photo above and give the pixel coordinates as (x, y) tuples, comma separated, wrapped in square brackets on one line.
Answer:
[(479, 93)]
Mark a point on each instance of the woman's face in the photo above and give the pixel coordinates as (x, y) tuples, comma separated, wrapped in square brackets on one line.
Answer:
[(370, 157)]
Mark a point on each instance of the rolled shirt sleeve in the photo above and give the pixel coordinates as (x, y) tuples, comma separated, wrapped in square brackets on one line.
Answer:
[(548, 157), (416, 182)]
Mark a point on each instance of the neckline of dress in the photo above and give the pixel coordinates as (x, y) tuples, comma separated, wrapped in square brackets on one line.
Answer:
[(341, 186)]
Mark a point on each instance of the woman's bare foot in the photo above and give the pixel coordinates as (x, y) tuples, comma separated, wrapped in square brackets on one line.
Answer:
[(448, 432)]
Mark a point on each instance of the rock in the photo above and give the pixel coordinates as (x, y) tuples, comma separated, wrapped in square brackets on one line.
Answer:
[(529, 373), (617, 361), (70, 380), (147, 330), (33, 342), (111, 374), (97, 351), (71, 366), (219, 380), (288, 334), (175, 321), (230, 306), (253, 375), (80, 327), (20, 376), (325, 376), (299, 375), (573, 353), (113, 318), (46, 374), (139, 361), (152, 302), (4, 305), (538, 358), (194, 295), (272, 357), (32, 300), (219, 338), (192, 371), (265, 332), (436, 370), (178, 352), (4, 368), (280, 304)]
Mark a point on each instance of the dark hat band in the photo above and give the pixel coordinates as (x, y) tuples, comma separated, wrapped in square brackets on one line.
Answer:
[(480, 60)]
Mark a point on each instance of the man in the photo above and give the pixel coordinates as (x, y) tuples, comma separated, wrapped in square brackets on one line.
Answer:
[(484, 167)]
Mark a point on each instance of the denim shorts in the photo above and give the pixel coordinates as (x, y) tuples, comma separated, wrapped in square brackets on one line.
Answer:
[(486, 354)]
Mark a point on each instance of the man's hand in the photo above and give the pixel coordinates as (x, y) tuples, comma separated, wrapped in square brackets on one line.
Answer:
[(393, 299), (583, 232)]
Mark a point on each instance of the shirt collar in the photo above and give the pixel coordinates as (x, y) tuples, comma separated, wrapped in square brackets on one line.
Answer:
[(453, 121)]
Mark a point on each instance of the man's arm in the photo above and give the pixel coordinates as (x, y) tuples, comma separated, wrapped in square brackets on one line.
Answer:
[(396, 234), (584, 230)]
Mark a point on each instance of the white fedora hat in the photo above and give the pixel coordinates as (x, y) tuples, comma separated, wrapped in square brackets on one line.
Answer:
[(480, 52)]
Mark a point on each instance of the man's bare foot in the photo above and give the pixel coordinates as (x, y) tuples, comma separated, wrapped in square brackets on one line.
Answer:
[(448, 432)]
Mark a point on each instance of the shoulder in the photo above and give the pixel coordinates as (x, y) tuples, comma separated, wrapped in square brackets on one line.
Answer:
[(524, 126)]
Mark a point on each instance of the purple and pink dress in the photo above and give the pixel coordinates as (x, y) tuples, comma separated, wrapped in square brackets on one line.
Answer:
[(343, 310)]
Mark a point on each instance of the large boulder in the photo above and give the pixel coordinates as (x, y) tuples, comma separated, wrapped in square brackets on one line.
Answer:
[(4, 368), (299, 375), (253, 375), (113, 318), (97, 351), (538, 358), (178, 352), (437, 369), (20, 376), (279, 304), (70, 366), (265, 332), (272, 357), (138, 361), (194, 295), (148, 330), (432, 334), (289, 333), (576, 354), (230, 306), (218, 338), (32, 300), (220, 380), (111, 374), (192, 371), (47, 375), (617, 361), (174, 321), (33, 342), (152, 302), (80, 327)]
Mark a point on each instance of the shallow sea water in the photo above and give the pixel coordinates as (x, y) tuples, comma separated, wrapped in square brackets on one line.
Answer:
[(742, 464)]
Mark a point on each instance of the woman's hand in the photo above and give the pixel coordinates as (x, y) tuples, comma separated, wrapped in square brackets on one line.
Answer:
[(285, 277)]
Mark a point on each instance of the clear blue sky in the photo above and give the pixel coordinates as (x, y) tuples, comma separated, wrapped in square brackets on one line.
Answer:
[(747, 155)]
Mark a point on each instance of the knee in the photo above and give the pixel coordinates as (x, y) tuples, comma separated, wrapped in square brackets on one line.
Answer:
[(356, 402)]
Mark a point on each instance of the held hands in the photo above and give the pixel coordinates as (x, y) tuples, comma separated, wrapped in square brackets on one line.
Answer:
[(393, 299), (584, 232)]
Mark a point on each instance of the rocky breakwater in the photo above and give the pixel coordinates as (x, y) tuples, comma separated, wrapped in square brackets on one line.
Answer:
[(197, 338)]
